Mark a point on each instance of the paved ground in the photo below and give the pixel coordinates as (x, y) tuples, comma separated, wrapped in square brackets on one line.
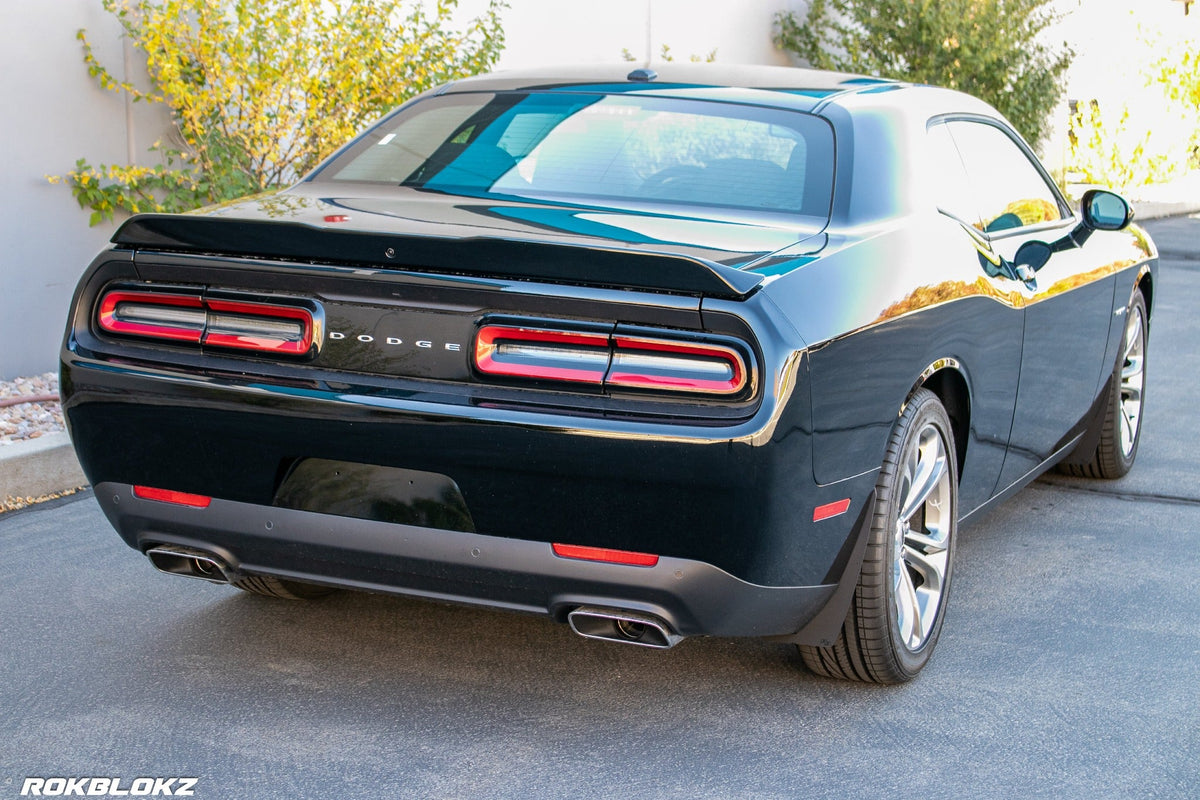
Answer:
[(1068, 667)]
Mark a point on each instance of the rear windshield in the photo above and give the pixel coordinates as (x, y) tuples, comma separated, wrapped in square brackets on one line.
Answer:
[(600, 147)]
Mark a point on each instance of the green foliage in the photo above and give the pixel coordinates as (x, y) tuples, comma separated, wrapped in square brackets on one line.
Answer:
[(259, 91), (1150, 137), (1177, 74), (1115, 148), (694, 140), (989, 48)]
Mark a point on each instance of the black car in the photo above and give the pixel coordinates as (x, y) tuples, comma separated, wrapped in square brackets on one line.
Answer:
[(708, 351)]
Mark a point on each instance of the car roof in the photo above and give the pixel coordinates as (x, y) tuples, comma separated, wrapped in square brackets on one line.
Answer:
[(786, 87)]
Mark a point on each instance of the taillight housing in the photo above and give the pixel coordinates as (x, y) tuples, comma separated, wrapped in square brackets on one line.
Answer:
[(671, 362), (555, 355), (176, 317), (194, 318), (677, 366), (259, 326)]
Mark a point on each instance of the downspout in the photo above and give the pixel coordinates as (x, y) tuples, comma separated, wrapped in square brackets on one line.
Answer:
[(130, 142)]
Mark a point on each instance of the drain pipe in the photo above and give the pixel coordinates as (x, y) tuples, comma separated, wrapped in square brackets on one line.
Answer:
[(22, 399)]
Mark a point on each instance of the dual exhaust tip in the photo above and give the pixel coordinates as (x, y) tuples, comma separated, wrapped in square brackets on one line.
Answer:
[(626, 627), (190, 563), (611, 625)]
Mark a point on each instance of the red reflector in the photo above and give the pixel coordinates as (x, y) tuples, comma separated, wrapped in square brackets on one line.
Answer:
[(337, 218), (169, 496), (830, 510), (605, 554)]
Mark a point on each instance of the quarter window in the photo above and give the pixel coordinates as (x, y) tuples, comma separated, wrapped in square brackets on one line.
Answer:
[(1009, 190), (952, 189)]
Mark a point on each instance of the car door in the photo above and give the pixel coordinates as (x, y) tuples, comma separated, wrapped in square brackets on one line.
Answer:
[(991, 322), (1067, 300)]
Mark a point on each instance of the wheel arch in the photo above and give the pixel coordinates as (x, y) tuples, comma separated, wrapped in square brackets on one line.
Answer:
[(945, 378), (1145, 284)]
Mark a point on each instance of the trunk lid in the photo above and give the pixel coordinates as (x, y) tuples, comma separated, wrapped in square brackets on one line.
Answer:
[(416, 230)]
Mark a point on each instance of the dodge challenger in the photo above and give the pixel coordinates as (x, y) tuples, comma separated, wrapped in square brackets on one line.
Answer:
[(684, 351)]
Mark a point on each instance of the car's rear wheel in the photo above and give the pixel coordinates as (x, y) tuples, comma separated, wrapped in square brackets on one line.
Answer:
[(1122, 425), (284, 590), (900, 601)]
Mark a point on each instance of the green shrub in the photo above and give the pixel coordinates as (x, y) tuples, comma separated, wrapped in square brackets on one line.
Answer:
[(259, 91), (1177, 74), (992, 49), (1119, 149)]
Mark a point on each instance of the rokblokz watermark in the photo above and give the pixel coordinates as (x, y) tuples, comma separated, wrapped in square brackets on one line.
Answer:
[(108, 787)]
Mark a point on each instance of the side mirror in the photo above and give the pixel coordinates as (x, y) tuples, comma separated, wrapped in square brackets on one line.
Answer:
[(1105, 211), (1101, 211), (1030, 257)]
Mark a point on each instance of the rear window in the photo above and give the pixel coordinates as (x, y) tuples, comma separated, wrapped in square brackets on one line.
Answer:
[(598, 147)]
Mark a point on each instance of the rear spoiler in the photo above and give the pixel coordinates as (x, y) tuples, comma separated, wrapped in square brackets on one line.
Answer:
[(489, 257)]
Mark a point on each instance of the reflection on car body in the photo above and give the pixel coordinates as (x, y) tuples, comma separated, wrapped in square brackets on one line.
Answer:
[(716, 351)]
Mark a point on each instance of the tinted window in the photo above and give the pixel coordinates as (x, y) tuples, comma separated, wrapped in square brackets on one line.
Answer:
[(1009, 190), (952, 189), (595, 146)]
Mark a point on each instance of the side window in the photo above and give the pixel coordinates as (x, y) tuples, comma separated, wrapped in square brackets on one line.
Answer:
[(952, 190), (1009, 190)]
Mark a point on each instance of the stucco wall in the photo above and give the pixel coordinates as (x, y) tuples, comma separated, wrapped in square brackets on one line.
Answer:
[(53, 114), (541, 32)]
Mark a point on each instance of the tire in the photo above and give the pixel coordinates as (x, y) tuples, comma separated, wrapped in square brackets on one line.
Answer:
[(1122, 422), (283, 590), (900, 601)]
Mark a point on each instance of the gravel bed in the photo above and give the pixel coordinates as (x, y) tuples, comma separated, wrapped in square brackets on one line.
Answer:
[(29, 420), (19, 503)]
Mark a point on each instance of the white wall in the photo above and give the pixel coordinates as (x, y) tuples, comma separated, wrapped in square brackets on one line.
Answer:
[(1107, 36), (548, 32), (1115, 43), (54, 113)]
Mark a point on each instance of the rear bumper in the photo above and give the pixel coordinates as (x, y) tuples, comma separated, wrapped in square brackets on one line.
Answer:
[(692, 597), (740, 498)]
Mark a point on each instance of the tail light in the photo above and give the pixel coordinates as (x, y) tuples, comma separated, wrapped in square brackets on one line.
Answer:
[(259, 326), (195, 319), (676, 366), (612, 359), (161, 316), (544, 354)]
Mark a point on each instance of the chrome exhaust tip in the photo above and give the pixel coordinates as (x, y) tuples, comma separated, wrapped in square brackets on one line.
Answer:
[(627, 627), (189, 563)]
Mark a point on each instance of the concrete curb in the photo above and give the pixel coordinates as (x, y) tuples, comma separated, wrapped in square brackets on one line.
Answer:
[(36, 467)]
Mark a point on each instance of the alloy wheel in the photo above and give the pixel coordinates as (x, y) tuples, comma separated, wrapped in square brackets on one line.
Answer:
[(1132, 378), (922, 538)]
